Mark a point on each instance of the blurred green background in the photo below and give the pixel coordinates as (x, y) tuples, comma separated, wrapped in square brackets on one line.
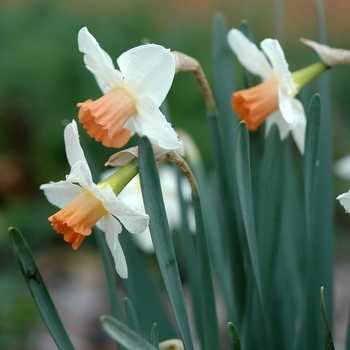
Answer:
[(42, 77)]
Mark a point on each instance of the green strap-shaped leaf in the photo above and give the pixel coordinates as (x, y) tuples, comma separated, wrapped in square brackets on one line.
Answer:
[(189, 249), (38, 289), (328, 340), (146, 300), (242, 159), (234, 338), (313, 273), (245, 194), (161, 238), (131, 317), (123, 335), (269, 216), (347, 343), (210, 324), (311, 156), (154, 336), (223, 133), (325, 201), (224, 78)]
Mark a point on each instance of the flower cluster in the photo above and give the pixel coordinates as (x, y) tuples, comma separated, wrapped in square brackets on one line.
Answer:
[(130, 104)]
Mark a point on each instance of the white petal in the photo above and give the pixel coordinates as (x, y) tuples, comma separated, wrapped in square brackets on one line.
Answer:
[(144, 241), (98, 62), (81, 174), (291, 109), (248, 54), (73, 149), (148, 70), (61, 193), (344, 200), (151, 122), (112, 228), (275, 54), (342, 168), (298, 132), (133, 220), (283, 126), (330, 56)]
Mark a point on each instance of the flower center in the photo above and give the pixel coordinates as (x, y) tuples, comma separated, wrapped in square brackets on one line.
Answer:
[(254, 105), (104, 119), (76, 219)]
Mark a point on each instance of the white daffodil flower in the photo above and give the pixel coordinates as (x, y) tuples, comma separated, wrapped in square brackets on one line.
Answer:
[(274, 99), (329, 55), (132, 96), (85, 204)]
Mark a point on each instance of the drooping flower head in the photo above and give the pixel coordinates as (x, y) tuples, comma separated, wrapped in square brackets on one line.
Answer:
[(274, 99), (85, 204), (132, 96)]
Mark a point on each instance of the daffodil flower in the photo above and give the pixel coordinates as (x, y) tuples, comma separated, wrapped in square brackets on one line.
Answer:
[(274, 99), (132, 96), (85, 204)]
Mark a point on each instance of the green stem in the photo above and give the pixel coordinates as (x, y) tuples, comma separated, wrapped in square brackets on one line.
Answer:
[(121, 177), (305, 75)]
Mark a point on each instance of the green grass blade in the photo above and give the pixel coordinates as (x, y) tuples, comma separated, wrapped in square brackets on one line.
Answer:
[(131, 317), (38, 289), (328, 340), (161, 237), (234, 338), (210, 324), (154, 336), (123, 335)]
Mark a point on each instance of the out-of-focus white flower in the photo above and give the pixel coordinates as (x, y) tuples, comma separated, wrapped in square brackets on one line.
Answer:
[(132, 196), (132, 96), (329, 55), (85, 204), (342, 167)]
